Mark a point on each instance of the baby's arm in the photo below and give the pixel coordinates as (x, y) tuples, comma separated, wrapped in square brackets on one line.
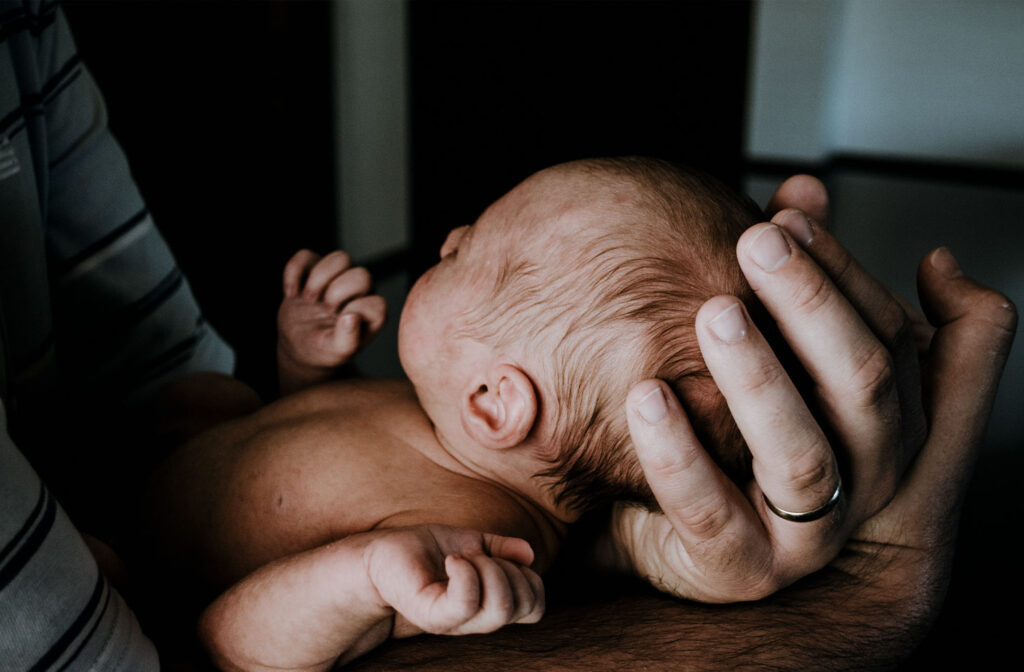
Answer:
[(326, 316), (338, 601)]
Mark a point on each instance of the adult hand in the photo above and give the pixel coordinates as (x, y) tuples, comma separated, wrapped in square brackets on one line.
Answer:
[(872, 403)]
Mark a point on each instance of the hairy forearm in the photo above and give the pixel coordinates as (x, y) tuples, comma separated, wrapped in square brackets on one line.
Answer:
[(834, 620)]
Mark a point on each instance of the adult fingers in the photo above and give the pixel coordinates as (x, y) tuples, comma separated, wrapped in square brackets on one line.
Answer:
[(884, 314), (324, 272), (794, 465), (347, 285), (710, 516), (296, 269), (921, 329), (975, 329), (852, 370), (803, 192)]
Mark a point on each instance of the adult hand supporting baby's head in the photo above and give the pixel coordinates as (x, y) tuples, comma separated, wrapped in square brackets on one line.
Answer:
[(873, 408)]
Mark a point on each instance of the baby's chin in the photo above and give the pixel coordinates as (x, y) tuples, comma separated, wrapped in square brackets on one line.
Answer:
[(405, 351), (408, 357)]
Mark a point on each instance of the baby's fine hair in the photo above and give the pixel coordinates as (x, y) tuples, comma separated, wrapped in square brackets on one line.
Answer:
[(658, 240)]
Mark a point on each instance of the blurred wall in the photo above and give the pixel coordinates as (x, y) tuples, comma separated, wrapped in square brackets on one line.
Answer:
[(370, 62), (911, 111)]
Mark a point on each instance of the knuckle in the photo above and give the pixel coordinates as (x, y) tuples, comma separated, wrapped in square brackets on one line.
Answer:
[(809, 297), (873, 376), (843, 267), (706, 519), (762, 376), (668, 466), (996, 309), (807, 471)]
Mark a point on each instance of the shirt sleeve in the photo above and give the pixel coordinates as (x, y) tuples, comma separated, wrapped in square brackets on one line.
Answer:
[(125, 318), (57, 612)]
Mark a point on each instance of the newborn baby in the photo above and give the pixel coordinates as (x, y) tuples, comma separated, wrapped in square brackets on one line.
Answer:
[(388, 508)]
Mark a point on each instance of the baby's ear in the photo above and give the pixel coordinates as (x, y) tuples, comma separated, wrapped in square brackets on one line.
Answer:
[(499, 410)]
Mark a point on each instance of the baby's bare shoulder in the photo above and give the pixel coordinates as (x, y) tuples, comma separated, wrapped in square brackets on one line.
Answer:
[(310, 468), (368, 395)]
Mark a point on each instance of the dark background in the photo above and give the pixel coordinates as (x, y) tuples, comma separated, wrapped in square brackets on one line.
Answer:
[(225, 110)]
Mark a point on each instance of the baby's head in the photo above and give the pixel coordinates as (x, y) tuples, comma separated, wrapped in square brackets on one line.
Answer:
[(581, 281)]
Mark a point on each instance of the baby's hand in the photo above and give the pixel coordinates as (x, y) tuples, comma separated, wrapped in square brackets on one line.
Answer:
[(453, 581), (326, 316)]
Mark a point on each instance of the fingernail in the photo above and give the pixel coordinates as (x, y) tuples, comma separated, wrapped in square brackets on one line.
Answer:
[(944, 262), (730, 325), (652, 406), (798, 224), (769, 249)]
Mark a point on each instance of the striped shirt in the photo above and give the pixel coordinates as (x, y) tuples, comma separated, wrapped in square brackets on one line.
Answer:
[(91, 302)]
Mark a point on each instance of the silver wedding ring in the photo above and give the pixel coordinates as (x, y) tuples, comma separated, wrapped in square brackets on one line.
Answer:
[(810, 515)]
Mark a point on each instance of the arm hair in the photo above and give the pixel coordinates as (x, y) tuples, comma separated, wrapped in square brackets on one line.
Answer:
[(866, 612)]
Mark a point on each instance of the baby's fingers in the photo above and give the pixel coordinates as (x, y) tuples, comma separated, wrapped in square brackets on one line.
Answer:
[(528, 590), (510, 548), (497, 601), (462, 599), (296, 269), (354, 326), (372, 311), (324, 272), (443, 607), (345, 340), (347, 285)]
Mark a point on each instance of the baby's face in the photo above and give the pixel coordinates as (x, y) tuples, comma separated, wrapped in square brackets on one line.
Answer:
[(430, 344), (433, 344), (435, 305)]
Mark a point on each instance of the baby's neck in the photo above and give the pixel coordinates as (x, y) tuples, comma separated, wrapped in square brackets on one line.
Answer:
[(513, 471)]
